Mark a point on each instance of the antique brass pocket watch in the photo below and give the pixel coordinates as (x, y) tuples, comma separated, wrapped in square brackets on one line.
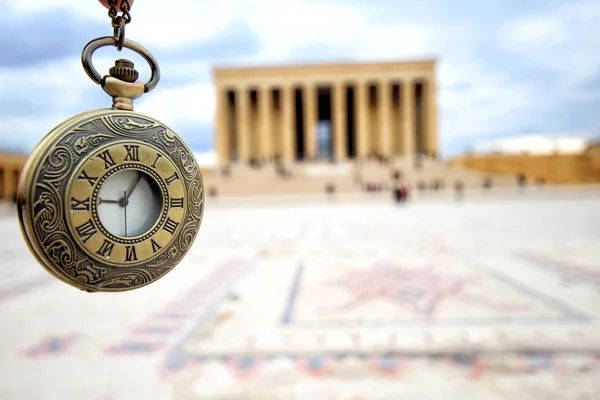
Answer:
[(110, 199)]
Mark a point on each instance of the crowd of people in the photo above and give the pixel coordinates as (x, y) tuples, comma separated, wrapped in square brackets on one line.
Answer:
[(397, 186)]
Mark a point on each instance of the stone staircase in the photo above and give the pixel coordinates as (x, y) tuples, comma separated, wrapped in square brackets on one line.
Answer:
[(313, 177), (429, 172)]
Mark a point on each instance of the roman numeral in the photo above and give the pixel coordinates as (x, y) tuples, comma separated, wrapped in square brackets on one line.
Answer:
[(106, 248), (171, 225), (133, 153), (177, 202), (84, 177), (172, 178), (77, 205), (155, 161), (108, 161), (86, 230), (155, 246), (130, 253)]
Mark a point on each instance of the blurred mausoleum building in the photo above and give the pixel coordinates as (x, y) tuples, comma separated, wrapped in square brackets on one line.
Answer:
[(351, 127), (326, 112)]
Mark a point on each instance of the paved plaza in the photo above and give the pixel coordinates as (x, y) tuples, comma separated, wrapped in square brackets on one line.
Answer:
[(492, 297)]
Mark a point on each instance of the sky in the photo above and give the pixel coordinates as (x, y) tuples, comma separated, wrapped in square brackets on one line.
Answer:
[(509, 71)]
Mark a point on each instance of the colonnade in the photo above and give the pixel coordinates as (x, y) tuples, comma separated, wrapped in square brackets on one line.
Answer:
[(263, 117)]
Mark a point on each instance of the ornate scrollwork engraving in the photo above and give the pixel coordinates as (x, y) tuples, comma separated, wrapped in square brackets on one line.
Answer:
[(196, 196), (134, 277), (60, 249), (165, 138), (128, 125), (47, 210), (171, 254), (188, 233), (84, 143), (187, 162), (59, 163), (88, 272)]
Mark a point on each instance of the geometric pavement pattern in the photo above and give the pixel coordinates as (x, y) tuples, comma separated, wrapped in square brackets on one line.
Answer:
[(487, 298)]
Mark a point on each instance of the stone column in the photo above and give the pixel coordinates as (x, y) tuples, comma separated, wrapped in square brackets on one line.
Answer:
[(431, 142), (243, 123), (221, 132), (265, 108), (288, 139), (385, 122), (407, 115), (362, 122), (310, 121), (340, 145)]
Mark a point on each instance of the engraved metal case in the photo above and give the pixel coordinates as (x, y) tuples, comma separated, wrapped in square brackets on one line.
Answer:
[(58, 197)]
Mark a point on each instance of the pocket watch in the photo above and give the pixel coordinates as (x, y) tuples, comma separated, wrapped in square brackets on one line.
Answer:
[(111, 199)]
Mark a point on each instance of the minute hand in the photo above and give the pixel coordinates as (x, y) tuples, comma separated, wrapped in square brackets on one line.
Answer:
[(133, 186)]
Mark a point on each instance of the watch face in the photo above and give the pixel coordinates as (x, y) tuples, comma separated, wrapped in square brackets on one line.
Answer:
[(126, 203), (110, 200)]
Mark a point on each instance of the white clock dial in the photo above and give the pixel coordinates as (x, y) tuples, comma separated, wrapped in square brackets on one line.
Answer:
[(129, 203)]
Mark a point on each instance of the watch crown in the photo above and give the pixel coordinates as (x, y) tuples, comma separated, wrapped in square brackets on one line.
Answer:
[(124, 71)]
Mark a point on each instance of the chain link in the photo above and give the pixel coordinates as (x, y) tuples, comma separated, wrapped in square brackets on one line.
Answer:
[(112, 12), (118, 22), (125, 10)]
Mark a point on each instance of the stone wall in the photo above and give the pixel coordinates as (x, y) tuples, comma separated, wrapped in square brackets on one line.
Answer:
[(11, 166), (552, 168)]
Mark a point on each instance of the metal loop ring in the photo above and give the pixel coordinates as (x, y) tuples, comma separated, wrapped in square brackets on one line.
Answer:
[(119, 32), (88, 67)]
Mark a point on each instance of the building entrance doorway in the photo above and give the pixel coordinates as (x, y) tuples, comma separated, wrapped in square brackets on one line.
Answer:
[(324, 124), (324, 140)]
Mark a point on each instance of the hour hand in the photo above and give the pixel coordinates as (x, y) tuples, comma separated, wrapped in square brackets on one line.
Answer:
[(125, 211), (100, 201)]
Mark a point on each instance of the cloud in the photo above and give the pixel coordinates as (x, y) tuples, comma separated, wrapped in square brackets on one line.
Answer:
[(206, 159), (39, 37), (22, 134), (527, 33), (53, 86), (57, 85), (536, 71), (506, 67), (318, 52), (236, 40), (193, 103)]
